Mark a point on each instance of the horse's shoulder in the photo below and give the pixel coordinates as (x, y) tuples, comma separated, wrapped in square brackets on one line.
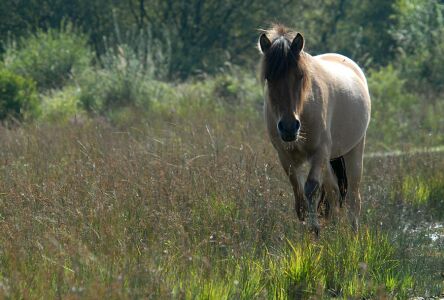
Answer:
[(341, 60)]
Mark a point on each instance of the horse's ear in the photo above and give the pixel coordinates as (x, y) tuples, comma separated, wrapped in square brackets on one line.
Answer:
[(297, 44), (264, 43)]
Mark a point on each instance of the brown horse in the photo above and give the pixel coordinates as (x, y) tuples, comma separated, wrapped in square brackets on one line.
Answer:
[(317, 110)]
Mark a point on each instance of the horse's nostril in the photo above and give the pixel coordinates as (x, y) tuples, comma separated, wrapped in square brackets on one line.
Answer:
[(297, 125), (289, 127), (281, 126)]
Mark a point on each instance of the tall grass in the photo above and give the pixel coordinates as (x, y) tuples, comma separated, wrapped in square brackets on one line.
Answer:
[(175, 192), (189, 208)]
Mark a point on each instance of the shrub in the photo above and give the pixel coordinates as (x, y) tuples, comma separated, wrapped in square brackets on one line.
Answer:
[(238, 88), (227, 89), (49, 57), (120, 83), (393, 109), (399, 117), (18, 96), (61, 105)]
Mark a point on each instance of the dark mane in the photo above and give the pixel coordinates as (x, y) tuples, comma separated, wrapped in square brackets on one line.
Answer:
[(278, 59), (279, 62)]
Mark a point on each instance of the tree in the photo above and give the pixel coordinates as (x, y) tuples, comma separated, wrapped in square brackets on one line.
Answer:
[(420, 37), (206, 33), (358, 29)]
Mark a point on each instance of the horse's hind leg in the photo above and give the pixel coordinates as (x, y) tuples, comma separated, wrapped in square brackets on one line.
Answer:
[(353, 165), (331, 193), (340, 174)]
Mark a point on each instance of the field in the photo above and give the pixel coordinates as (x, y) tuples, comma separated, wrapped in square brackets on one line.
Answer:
[(199, 208), (134, 162)]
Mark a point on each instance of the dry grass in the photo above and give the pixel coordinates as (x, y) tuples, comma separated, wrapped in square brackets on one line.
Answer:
[(187, 209)]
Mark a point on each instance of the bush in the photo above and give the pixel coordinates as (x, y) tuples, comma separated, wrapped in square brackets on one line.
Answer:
[(393, 109), (399, 117), (238, 88), (123, 88), (61, 105), (122, 82), (18, 96), (49, 57)]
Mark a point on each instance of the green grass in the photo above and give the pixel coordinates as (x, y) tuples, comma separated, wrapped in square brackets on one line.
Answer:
[(197, 209), (340, 264)]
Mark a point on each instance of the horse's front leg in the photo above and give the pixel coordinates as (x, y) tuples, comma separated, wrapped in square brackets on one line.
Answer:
[(313, 187), (291, 167), (299, 204)]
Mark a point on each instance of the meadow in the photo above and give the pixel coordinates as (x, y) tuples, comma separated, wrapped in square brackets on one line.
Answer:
[(199, 208), (134, 162)]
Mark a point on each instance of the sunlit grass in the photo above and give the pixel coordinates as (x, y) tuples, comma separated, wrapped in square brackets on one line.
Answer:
[(415, 190), (339, 264), (192, 210)]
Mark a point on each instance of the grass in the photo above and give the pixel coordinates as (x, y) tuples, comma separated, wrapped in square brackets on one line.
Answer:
[(199, 209)]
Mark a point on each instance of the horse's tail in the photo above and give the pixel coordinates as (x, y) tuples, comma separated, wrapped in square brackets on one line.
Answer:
[(338, 166)]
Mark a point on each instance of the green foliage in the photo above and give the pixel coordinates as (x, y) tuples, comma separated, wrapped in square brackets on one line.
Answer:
[(236, 88), (50, 57), (61, 105), (347, 265), (95, 17), (394, 111), (420, 37), (139, 46), (363, 33), (201, 36), (357, 29), (401, 118), (123, 81), (18, 96), (415, 191), (206, 34), (423, 192), (123, 90), (341, 264), (436, 198)]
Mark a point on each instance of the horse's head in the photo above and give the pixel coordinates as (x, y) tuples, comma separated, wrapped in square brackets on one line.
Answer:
[(284, 72)]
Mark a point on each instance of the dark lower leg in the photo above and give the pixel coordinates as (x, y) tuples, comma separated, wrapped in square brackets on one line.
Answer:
[(312, 191)]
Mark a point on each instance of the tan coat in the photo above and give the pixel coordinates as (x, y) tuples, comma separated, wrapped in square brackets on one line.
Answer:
[(328, 96)]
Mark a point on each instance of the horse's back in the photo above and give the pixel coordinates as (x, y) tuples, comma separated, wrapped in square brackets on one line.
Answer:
[(342, 62), (348, 101)]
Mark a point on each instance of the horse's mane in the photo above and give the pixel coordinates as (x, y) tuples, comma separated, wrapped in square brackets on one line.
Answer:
[(278, 62)]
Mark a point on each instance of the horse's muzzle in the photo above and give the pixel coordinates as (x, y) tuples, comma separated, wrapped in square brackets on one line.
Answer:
[(288, 131), (289, 138)]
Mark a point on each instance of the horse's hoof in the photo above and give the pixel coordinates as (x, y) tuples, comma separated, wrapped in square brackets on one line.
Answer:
[(316, 231), (301, 216), (314, 226)]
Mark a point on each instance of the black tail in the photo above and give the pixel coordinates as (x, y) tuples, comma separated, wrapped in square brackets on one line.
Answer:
[(338, 166)]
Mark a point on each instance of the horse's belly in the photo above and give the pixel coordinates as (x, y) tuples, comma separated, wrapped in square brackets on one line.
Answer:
[(348, 112), (348, 122)]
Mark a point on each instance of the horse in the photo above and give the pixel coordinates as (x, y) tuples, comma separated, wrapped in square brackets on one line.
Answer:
[(317, 111)]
